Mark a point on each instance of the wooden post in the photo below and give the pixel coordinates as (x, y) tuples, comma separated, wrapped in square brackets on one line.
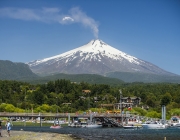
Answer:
[(91, 117), (40, 120), (69, 117), (24, 122)]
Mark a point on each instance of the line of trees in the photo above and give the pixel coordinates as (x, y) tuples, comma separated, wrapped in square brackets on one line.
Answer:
[(53, 96)]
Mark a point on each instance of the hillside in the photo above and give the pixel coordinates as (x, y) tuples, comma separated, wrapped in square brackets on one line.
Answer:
[(88, 78), (144, 77), (115, 78), (21, 72), (15, 71)]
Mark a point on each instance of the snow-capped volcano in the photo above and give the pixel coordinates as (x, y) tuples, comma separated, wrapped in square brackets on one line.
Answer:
[(96, 57), (93, 49)]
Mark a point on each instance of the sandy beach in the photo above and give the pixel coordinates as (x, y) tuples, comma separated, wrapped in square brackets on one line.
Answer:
[(26, 135)]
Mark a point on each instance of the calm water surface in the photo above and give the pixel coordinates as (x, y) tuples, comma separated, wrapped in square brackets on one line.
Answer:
[(112, 133)]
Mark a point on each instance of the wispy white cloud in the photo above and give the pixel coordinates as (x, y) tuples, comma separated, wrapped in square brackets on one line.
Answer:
[(51, 15), (43, 15), (67, 19)]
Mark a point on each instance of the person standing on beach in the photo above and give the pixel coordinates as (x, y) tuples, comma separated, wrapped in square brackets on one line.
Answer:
[(8, 126), (0, 128)]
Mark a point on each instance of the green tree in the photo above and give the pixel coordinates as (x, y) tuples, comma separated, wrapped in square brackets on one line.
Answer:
[(7, 107), (175, 112), (166, 99), (150, 102), (43, 108), (140, 111), (153, 114), (38, 97)]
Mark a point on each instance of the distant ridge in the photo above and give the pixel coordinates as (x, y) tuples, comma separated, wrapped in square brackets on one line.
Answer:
[(14, 71), (21, 72), (130, 77), (78, 78)]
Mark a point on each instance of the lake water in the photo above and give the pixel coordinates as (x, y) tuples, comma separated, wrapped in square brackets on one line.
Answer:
[(112, 133)]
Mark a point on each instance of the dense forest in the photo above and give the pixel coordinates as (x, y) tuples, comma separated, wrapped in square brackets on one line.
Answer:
[(66, 96)]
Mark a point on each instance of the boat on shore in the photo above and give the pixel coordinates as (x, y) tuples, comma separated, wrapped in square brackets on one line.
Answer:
[(132, 126), (175, 121), (177, 125), (86, 123), (129, 127), (154, 125), (92, 125), (55, 126)]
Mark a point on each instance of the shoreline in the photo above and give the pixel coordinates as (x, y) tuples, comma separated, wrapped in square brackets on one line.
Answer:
[(30, 135)]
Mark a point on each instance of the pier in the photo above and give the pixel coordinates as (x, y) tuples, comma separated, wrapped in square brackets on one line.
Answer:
[(108, 119)]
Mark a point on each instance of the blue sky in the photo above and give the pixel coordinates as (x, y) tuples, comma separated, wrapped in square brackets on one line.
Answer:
[(37, 29)]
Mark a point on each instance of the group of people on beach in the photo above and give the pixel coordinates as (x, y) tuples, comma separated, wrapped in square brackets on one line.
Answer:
[(8, 127)]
